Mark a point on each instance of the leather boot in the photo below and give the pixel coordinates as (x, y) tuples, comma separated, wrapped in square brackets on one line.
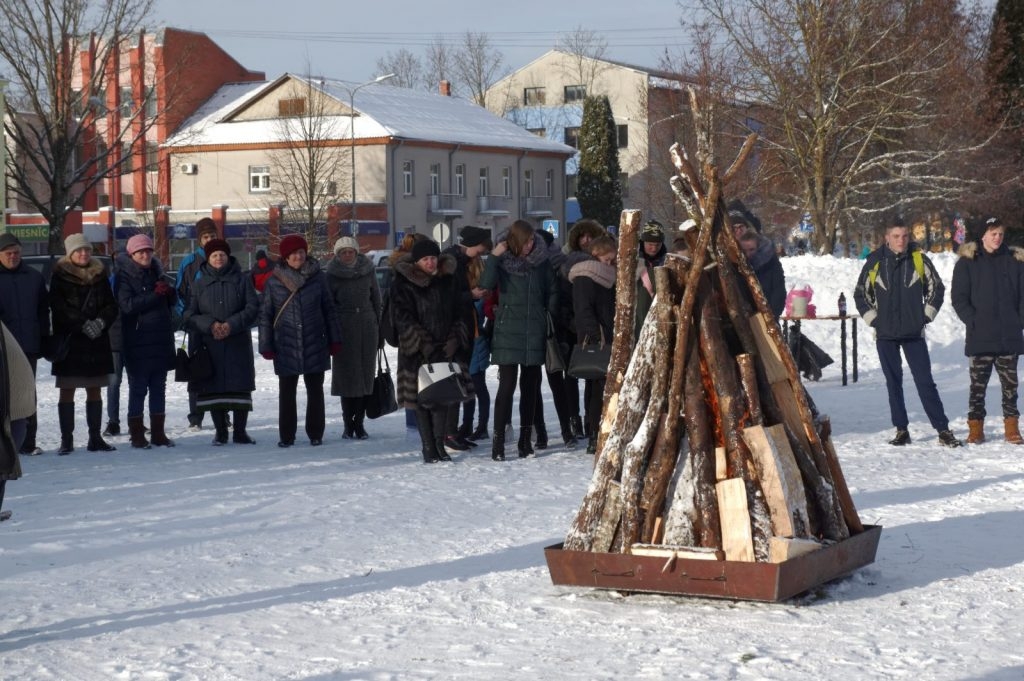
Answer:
[(577, 428), (542, 435), (479, 434), (347, 416), (220, 424), (66, 418), (1010, 427), (425, 425), (498, 445), (442, 453), (156, 428), (137, 432), (525, 445), (568, 437), (976, 434), (239, 436), (94, 420)]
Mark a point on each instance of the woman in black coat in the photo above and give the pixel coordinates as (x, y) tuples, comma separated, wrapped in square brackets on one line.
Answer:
[(593, 301), (146, 301), (431, 329), (299, 331), (988, 296), (82, 307), (221, 312), (352, 280)]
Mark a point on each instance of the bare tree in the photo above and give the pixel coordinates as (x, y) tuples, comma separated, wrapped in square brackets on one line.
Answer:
[(407, 67), (63, 151), (863, 107), (478, 66), (440, 63), (309, 170), (586, 50)]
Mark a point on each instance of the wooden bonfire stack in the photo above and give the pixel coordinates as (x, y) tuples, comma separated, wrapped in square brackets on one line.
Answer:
[(710, 448)]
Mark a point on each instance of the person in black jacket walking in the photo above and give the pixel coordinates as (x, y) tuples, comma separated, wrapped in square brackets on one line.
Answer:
[(221, 313), (988, 296), (83, 307), (145, 300), (897, 302), (299, 331), (25, 311)]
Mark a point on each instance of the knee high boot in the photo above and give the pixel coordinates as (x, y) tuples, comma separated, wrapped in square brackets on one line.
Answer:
[(358, 415), (66, 417), (156, 428), (498, 445), (440, 417), (220, 424), (425, 425), (94, 420), (137, 432), (239, 436), (347, 413)]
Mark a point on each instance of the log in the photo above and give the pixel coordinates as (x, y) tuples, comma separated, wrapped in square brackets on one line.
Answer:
[(707, 526), (780, 479), (737, 541), (838, 479), (748, 379), (604, 535), (685, 552), (625, 302)]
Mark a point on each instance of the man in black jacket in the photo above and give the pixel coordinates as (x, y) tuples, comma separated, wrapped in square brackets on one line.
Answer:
[(26, 312), (898, 292)]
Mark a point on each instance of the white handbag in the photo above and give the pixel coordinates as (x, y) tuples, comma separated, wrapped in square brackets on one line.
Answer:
[(440, 383)]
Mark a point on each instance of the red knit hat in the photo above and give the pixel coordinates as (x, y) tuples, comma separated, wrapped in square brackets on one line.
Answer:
[(290, 244)]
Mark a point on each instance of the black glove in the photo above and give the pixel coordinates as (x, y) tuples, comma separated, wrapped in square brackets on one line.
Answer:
[(450, 347)]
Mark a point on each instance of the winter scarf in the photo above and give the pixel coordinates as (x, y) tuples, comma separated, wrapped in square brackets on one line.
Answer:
[(602, 274), (359, 268), (519, 265), (294, 279)]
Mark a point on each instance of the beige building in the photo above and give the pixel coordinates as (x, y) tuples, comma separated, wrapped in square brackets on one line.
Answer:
[(421, 160), (546, 97)]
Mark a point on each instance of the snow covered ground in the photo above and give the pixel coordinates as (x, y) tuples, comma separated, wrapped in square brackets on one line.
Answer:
[(356, 561)]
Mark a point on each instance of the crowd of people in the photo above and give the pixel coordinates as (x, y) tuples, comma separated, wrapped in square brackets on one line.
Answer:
[(479, 302)]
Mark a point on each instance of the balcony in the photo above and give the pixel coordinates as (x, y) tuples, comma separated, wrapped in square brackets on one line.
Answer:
[(537, 207), (446, 204), (500, 206)]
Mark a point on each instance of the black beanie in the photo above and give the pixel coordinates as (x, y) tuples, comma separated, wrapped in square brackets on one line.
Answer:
[(423, 249)]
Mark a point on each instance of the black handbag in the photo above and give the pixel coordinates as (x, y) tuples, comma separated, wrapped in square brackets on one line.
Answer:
[(589, 361), (440, 385), (57, 347), (382, 400), (554, 360), (197, 366)]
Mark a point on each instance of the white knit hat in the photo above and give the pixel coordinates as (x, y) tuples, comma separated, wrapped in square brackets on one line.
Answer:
[(75, 242), (346, 242)]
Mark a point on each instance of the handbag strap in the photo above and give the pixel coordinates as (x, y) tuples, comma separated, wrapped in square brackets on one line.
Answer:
[(280, 310), (387, 367), (551, 325)]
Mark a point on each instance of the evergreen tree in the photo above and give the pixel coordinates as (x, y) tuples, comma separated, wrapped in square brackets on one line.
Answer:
[(598, 189)]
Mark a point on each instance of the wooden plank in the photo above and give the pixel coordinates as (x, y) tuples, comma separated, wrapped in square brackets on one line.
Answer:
[(787, 403), (780, 478), (721, 465), (667, 551), (774, 366), (604, 535), (781, 549), (737, 536)]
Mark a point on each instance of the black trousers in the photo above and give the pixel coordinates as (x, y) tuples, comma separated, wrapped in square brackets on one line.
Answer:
[(529, 391), (287, 411)]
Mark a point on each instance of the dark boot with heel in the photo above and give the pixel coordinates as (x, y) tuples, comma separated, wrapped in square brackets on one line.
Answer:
[(239, 436), (94, 420), (220, 424), (498, 445), (66, 418), (137, 433), (156, 428), (525, 445)]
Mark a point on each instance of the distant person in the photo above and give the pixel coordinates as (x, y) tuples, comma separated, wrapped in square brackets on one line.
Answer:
[(262, 270), (188, 272), (82, 307), (898, 293), (26, 312), (988, 296), (651, 254), (17, 404)]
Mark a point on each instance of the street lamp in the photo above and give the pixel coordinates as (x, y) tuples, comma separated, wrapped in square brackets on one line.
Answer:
[(353, 223)]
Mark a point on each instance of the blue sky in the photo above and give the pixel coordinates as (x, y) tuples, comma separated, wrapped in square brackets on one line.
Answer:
[(345, 39)]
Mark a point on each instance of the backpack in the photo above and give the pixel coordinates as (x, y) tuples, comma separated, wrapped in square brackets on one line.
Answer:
[(387, 321), (918, 267)]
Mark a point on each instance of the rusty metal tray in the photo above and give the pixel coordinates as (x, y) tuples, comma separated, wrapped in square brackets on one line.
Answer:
[(771, 582)]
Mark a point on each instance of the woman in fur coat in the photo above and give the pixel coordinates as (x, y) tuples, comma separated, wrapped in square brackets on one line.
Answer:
[(431, 329)]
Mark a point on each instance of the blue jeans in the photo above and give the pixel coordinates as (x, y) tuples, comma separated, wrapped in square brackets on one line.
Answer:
[(916, 352), (147, 380)]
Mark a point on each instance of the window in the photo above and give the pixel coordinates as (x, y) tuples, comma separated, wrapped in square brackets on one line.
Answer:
[(126, 102), (460, 179), (295, 106), (572, 137), (483, 185), (506, 181), (152, 155), (549, 183), (126, 158), (527, 183), (127, 202), (435, 178), (575, 93), (570, 186), (407, 178), (103, 199), (259, 179), (151, 102), (77, 104), (622, 134), (624, 184), (533, 96), (152, 201)]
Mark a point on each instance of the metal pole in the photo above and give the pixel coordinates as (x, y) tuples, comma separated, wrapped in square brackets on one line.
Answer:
[(353, 223), (3, 159)]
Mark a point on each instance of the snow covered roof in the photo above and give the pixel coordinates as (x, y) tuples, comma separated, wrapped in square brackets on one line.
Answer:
[(385, 111)]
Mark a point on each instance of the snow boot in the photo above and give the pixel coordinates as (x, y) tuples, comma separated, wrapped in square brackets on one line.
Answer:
[(977, 431), (157, 435), (525, 445), (220, 425), (94, 420), (902, 438), (137, 433), (347, 416), (947, 439), (1012, 432), (66, 417), (238, 434)]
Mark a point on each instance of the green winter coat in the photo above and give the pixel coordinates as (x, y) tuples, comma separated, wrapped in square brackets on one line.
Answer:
[(525, 296)]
